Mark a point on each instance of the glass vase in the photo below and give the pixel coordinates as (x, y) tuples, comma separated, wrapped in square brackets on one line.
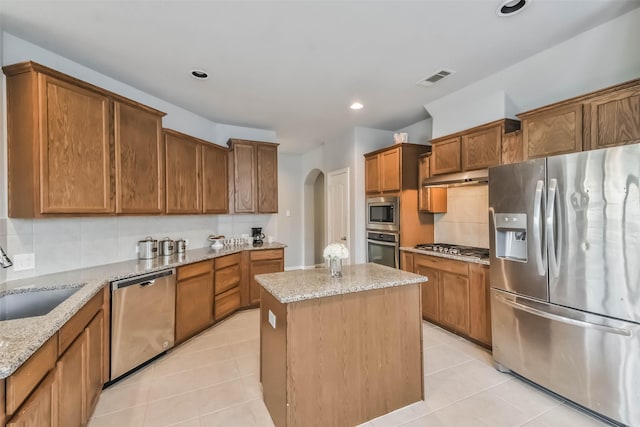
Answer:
[(335, 267)]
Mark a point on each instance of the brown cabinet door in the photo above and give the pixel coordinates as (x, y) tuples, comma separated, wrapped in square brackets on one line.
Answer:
[(267, 178), (430, 294), (94, 339), (72, 383), (433, 200), (183, 188), (390, 170), (512, 148), (194, 306), (615, 119), (479, 305), (445, 156), (406, 261), (76, 163), (40, 409), (244, 177), (372, 174), (139, 160), (481, 149), (262, 267), (454, 302), (551, 132), (215, 196)]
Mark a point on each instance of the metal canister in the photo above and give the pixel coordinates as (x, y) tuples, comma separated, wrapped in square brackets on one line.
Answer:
[(147, 248), (180, 246), (166, 247)]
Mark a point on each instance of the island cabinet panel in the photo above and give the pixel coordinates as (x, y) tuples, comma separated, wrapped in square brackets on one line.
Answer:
[(615, 118), (3, 412), (482, 148), (372, 174), (512, 148), (445, 156), (553, 131), (139, 157), (215, 199), (341, 360), (479, 304), (183, 173), (267, 178), (41, 409), (194, 299)]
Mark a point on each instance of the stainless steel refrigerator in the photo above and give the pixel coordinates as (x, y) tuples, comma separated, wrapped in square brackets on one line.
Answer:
[(565, 276)]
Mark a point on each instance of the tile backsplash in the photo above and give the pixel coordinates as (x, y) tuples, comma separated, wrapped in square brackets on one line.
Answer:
[(467, 219), (69, 243)]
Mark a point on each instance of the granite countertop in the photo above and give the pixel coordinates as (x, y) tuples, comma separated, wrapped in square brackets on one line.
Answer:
[(300, 285), (20, 338), (483, 261)]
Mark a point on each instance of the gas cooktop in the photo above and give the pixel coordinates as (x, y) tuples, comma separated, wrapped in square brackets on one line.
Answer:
[(450, 249)]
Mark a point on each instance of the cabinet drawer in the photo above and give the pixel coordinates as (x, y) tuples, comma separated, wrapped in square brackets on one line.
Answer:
[(227, 302), (195, 269), (266, 254), (76, 324), (228, 260), (26, 378), (449, 265), (227, 278)]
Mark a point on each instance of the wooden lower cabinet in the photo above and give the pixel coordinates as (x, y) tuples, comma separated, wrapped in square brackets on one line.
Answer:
[(479, 303), (72, 383), (228, 276), (94, 334), (430, 293), (41, 408), (194, 300), (263, 262), (454, 302)]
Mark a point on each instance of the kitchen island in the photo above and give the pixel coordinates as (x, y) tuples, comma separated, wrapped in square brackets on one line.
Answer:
[(339, 352)]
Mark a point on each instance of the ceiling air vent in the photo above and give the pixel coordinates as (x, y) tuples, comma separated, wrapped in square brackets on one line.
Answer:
[(435, 77)]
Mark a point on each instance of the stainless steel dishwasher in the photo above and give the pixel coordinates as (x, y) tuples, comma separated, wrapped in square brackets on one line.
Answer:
[(142, 319)]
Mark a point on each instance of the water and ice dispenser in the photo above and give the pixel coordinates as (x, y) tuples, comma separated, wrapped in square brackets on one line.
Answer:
[(511, 236)]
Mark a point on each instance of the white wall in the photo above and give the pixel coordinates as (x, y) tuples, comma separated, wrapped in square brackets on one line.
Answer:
[(419, 132), (289, 216), (601, 57), (64, 244)]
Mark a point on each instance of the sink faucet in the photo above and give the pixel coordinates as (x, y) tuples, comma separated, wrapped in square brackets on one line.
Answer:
[(5, 261)]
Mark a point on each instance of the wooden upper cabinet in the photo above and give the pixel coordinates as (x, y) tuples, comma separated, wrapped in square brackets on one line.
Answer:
[(512, 148), (445, 156), (390, 170), (253, 176), (552, 131), (215, 199), (482, 148), (614, 118), (139, 155), (372, 174), (183, 171), (267, 178)]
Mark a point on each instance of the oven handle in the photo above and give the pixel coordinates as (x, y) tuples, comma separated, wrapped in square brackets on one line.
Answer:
[(381, 243)]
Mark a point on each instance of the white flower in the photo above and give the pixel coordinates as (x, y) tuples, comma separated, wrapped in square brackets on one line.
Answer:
[(335, 250)]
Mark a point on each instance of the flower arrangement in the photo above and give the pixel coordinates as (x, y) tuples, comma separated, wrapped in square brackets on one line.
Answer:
[(335, 251)]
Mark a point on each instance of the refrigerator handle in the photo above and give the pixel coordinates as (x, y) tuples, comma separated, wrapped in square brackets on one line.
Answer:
[(554, 240), (540, 253), (568, 320)]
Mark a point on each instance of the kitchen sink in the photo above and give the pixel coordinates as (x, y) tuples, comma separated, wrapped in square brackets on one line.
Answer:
[(35, 303)]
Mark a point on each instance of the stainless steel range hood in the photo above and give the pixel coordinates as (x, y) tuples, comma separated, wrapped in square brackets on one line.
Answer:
[(456, 179)]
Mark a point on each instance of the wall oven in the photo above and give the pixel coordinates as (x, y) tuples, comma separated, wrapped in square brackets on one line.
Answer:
[(383, 248), (383, 213)]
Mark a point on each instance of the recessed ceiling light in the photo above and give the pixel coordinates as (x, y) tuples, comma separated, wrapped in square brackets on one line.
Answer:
[(356, 106), (511, 7), (199, 74)]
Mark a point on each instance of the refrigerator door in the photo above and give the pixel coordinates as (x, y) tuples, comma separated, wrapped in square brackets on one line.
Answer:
[(517, 199), (591, 360), (593, 224)]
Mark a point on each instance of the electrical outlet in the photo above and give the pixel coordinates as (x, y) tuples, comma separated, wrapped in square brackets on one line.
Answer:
[(272, 319), (288, 212), (23, 262)]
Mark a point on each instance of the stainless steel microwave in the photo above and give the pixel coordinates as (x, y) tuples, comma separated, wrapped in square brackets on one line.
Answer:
[(383, 213)]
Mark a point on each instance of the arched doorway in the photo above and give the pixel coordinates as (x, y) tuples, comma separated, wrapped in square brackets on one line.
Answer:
[(314, 220)]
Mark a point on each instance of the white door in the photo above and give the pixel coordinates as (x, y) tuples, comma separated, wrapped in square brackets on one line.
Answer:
[(338, 209)]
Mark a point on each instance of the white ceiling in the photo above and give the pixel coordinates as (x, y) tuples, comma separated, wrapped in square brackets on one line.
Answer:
[(296, 66)]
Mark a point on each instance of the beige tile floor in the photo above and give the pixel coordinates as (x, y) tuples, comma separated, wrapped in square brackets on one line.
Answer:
[(212, 380)]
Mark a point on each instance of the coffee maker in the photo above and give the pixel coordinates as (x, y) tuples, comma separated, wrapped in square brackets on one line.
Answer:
[(256, 233)]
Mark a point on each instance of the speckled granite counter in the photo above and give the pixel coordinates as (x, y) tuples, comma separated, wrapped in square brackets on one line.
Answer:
[(448, 256), (20, 338), (300, 285)]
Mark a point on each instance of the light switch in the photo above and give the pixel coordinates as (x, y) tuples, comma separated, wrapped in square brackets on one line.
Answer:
[(272, 319), (288, 212)]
